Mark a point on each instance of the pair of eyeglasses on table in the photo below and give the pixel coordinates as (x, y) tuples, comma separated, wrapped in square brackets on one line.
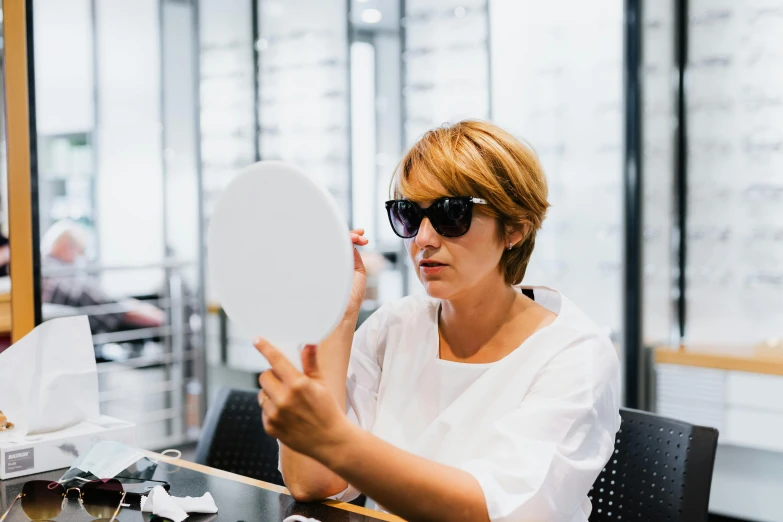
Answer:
[(237, 498), (44, 500)]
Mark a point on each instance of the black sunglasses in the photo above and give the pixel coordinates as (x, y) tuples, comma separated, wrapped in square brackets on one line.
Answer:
[(44, 500), (450, 216)]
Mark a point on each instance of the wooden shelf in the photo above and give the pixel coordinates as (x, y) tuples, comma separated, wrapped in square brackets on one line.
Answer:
[(755, 359)]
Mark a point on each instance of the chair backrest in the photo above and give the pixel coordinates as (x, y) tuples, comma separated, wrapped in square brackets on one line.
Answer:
[(661, 470), (233, 437)]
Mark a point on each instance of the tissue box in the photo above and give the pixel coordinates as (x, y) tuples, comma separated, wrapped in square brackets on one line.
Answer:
[(59, 449)]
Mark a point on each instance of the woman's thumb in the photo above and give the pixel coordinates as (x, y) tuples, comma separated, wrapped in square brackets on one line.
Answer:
[(310, 361)]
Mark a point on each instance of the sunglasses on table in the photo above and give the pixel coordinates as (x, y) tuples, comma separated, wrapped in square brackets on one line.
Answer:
[(44, 500), (450, 216)]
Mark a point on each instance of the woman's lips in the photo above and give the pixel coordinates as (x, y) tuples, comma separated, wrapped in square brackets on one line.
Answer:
[(432, 267)]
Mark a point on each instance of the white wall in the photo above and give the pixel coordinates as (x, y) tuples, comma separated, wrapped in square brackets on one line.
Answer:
[(363, 138), (747, 484), (63, 66), (129, 176), (389, 114), (181, 139)]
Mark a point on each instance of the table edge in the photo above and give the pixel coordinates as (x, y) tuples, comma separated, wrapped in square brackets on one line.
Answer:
[(268, 486)]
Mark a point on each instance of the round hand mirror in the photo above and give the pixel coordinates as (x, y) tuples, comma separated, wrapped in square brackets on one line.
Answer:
[(280, 257)]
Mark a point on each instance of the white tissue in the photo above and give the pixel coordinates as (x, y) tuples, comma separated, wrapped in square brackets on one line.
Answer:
[(160, 503), (300, 518), (48, 379)]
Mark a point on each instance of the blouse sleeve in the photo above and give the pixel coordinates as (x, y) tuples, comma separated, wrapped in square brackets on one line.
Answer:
[(542, 459), (364, 372)]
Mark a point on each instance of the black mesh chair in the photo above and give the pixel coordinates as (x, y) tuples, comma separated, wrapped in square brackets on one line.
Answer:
[(234, 440), (661, 471)]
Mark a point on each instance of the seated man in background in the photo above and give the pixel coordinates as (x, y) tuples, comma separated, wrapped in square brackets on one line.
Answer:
[(63, 246), (5, 286), (5, 255)]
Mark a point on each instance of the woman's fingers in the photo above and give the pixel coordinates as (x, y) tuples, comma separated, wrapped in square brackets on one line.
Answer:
[(281, 366), (359, 240), (269, 411), (357, 237), (271, 385), (310, 361)]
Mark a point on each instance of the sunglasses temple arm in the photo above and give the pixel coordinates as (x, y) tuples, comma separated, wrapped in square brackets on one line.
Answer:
[(116, 511), (9, 507)]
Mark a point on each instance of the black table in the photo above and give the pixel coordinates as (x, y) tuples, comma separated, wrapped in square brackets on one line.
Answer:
[(237, 498)]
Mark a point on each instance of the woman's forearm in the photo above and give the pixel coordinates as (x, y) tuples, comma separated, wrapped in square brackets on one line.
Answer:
[(306, 478), (407, 485), (334, 353)]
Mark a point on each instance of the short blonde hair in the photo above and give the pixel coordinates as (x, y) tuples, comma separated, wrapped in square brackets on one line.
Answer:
[(479, 159)]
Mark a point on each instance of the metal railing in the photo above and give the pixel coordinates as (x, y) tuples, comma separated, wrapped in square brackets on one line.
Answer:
[(143, 373)]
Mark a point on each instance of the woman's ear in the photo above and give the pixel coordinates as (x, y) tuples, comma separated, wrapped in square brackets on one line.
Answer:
[(516, 234)]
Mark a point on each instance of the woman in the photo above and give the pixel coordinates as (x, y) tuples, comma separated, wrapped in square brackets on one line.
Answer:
[(479, 401)]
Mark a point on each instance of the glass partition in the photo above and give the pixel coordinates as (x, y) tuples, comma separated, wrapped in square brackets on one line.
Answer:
[(5, 248), (119, 201)]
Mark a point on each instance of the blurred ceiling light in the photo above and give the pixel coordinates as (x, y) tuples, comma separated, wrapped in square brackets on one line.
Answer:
[(371, 16), (460, 12), (362, 1)]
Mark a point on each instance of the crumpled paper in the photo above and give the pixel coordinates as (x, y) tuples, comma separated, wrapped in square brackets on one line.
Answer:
[(160, 503)]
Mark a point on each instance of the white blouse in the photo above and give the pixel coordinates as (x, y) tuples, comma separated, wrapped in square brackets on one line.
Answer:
[(535, 428)]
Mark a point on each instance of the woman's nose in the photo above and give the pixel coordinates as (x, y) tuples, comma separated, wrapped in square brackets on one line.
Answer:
[(427, 236)]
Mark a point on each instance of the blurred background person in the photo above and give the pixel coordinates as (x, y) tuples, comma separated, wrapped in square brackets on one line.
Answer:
[(63, 247), (5, 255)]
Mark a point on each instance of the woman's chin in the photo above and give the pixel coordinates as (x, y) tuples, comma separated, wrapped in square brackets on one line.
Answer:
[(437, 289)]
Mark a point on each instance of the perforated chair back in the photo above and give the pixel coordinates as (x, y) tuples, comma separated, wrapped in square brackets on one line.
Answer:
[(661, 471), (233, 438)]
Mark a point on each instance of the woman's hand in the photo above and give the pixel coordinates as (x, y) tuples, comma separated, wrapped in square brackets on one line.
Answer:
[(359, 273), (298, 408)]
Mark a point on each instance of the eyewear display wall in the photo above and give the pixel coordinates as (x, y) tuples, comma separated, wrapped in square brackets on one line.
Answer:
[(735, 155)]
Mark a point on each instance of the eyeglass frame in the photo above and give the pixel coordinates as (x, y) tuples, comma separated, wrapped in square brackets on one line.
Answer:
[(426, 211), (121, 504)]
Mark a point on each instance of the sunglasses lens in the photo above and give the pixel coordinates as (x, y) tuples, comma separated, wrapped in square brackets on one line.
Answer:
[(405, 218), (101, 498), (42, 500), (451, 217)]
